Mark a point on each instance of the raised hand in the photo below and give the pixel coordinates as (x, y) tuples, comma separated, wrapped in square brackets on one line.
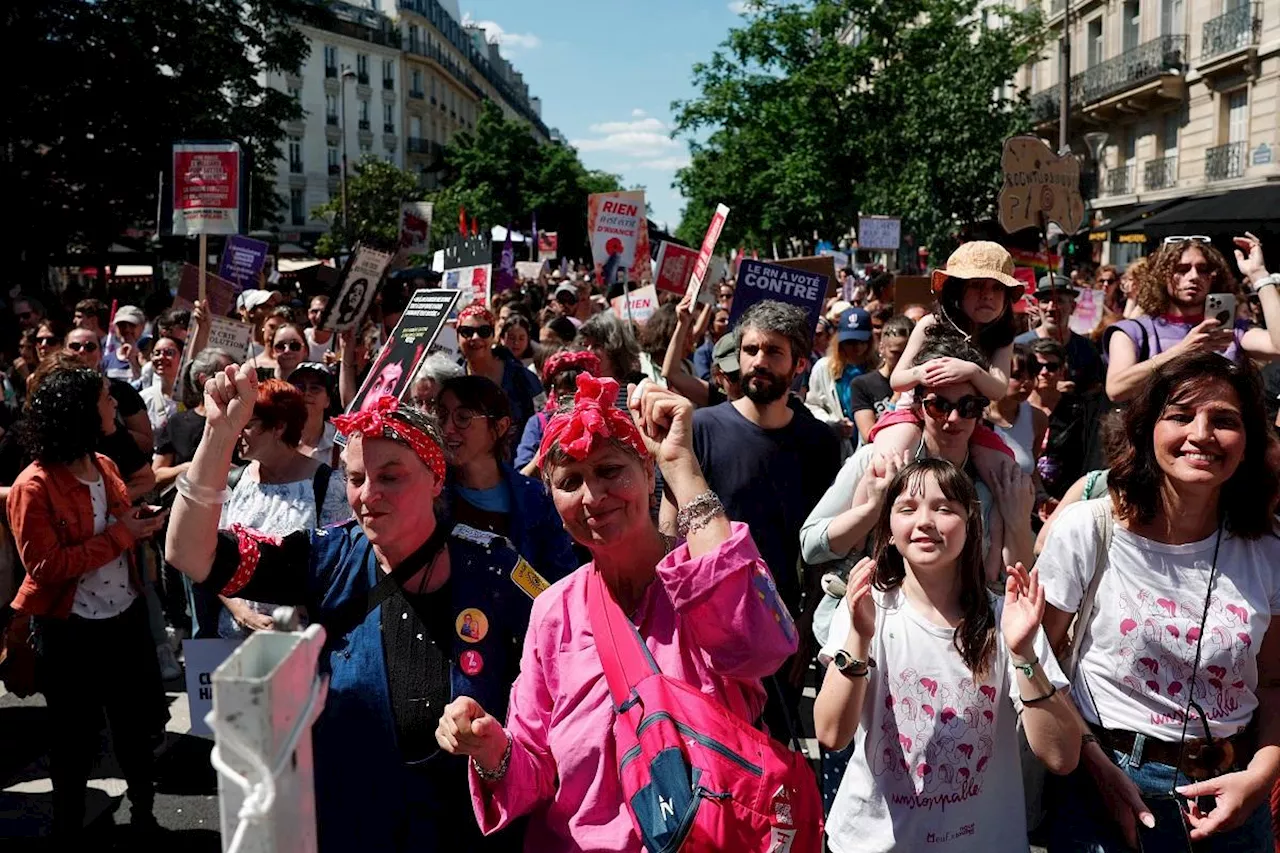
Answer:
[(1023, 610), (948, 371), (467, 729), (1015, 493), (229, 397), (881, 471), (1250, 261), (862, 607), (665, 420)]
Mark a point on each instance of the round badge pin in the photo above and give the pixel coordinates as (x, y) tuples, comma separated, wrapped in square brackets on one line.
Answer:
[(472, 625), (471, 662)]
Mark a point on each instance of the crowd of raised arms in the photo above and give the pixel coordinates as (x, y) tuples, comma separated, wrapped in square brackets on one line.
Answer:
[(945, 577)]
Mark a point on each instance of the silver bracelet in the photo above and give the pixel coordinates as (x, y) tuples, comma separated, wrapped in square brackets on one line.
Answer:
[(200, 494), (697, 513), (495, 775)]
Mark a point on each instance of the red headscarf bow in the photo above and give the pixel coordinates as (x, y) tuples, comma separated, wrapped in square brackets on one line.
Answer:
[(594, 417), (477, 309), (584, 359), (371, 422)]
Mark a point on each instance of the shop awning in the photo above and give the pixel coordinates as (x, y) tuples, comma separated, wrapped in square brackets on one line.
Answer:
[(1117, 228), (1221, 216)]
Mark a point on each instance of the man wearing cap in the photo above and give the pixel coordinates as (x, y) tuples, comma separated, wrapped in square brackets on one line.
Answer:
[(124, 361), (726, 375), (830, 383), (254, 306), (566, 304), (1057, 300)]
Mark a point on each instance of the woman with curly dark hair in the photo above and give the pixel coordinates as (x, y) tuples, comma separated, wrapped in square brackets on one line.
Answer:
[(1178, 651), (75, 532)]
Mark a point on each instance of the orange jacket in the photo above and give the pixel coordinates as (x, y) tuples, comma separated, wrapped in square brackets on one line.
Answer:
[(51, 516)]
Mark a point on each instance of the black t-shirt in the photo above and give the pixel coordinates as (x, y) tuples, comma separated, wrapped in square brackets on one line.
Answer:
[(870, 391), (180, 436), (415, 629), (119, 447), (128, 400), (769, 479)]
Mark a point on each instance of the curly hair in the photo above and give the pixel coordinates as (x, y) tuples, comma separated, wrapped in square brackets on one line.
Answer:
[(62, 423), (975, 636), (1249, 498), (1153, 277)]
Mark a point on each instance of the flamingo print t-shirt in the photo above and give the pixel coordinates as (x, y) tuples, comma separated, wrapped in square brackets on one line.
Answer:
[(1140, 647), (936, 765)]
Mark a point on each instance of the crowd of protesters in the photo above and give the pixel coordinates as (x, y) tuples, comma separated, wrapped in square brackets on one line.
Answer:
[(1029, 572)]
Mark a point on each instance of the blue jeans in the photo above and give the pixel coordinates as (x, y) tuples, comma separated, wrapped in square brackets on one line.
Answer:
[(1079, 821)]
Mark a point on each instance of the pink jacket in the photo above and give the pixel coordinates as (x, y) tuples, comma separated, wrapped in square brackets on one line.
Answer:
[(715, 622)]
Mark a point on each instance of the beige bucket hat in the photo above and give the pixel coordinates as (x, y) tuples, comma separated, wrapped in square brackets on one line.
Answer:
[(979, 259)]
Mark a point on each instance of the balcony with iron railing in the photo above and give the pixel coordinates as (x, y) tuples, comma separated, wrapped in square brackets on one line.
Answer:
[(1160, 174), (388, 127), (417, 145), (331, 120), (363, 79), (1224, 162), (364, 124), (1136, 66), (388, 83), (1239, 28), (1119, 181), (331, 71), (335, 169), (1045, 105)]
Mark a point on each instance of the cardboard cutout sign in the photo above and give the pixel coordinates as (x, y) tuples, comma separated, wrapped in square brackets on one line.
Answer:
[(823, 265), (415, 227), (674, 266), (530, 270), (759, 281), (1039, 186), (202, 657), (410, 341), (911, 290), (360, 285), (220, 293)]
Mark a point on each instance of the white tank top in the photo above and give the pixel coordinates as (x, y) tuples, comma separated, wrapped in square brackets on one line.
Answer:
[(1020, 437)]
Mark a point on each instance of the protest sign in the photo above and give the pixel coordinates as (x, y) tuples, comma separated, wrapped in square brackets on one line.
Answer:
[(911, 290), (506, 277), (674, 266), (709, 241), (230, 335), (530, 270), (206, 188), (220, 293), (415, 227), (472, 283), (1039, 186), (816, 264), (201, 658), (1088, 311), (636, 305), (242, 260), (359, 286), (548, 244), (879, 232), (759, 281), (447, 342), (410, 341), (619, 233)]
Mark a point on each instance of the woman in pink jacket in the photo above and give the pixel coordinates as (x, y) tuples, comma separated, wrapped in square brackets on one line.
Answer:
[(707, 611)]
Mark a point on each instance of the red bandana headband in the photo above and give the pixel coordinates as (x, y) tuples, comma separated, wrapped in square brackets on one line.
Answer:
[(584, 359), (593, 417), (477, 309), (371, 423)]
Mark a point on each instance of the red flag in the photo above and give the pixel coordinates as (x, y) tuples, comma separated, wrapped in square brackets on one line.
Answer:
[(462, 221), (475, 227)]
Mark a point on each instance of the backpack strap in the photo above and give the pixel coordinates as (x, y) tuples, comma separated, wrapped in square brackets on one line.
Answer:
[(623, 655), (1104, 526)]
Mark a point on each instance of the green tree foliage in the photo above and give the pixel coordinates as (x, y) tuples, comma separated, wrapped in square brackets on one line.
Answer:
[(113, 83), (813, 112), (500, 174), (375, 191)]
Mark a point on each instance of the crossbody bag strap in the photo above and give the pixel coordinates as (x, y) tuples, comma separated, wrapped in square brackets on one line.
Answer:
[(623, 655), (1104, 526)]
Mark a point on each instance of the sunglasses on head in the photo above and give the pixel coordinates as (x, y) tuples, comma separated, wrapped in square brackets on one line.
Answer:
[(1187, 238), (467, 332), (83, 346), (969, 406), (291, 346)]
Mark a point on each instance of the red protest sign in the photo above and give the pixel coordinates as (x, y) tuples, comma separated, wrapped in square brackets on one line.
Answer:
[(675, 265), (708, 246), (206, 188)]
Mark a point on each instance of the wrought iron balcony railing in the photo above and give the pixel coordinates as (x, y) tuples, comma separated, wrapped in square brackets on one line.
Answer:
[(1119, 181), (1238, 28), (1160, 174), (1224, 161)]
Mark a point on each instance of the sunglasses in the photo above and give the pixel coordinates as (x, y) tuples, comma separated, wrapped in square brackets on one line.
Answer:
[(1202, 269), (291, 346), (86, 346), (468, 332), (1187, 238), (969, 406), (47, 341), (1106, 281)]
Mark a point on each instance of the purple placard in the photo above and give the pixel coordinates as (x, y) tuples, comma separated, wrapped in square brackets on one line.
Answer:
[(242, 260)]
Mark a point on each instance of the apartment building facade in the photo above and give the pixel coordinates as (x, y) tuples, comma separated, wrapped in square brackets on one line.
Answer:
[(1187, 93)]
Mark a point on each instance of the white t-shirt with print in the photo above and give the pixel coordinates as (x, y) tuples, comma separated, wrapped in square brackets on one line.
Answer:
[(936, 765), (106, 591), (1140, 647)]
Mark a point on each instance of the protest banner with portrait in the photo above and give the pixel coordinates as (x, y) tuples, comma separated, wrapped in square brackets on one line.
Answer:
[(619, 233), (409, 344), (359, 287)]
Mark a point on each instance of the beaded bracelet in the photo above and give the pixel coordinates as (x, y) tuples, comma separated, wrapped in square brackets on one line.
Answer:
[(495, 775), (697, 513), (201, 494)]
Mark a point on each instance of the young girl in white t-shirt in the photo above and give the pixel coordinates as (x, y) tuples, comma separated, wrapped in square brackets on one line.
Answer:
[(924, 668)]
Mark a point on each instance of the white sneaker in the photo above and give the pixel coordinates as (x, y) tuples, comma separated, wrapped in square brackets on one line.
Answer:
[(169, 669)]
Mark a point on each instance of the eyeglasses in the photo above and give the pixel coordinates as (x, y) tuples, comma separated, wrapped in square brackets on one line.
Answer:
[(969, 406), (467, 332), (1187, 238), (83, 346), (47, 341), (291, 346), (461, 418)]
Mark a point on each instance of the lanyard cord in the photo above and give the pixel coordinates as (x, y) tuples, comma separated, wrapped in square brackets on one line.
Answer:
[(1195, 667)]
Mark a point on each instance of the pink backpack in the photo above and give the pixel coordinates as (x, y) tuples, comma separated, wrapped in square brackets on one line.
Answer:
[(697, 777)]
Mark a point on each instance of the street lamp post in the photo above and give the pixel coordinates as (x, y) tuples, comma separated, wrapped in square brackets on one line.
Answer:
[(347, 74)]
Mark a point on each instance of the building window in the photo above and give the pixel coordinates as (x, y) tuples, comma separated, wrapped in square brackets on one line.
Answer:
[(362, 69), (1095, 42), (334, 159), (1132, 23), (413, 38), (415, 127), (296, 94), (364, 115), (1171, 17), (365, 149), (1238, 116), (330, 61), (388, 118), (295, 156), (1169, 140), (297, 207), (417, 83), (433, 89), (388, 74)]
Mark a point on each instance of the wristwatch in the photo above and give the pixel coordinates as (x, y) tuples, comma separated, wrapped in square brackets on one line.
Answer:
[(850, 666)]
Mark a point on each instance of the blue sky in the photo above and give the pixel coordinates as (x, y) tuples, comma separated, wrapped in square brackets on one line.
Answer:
[(607, 74)]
